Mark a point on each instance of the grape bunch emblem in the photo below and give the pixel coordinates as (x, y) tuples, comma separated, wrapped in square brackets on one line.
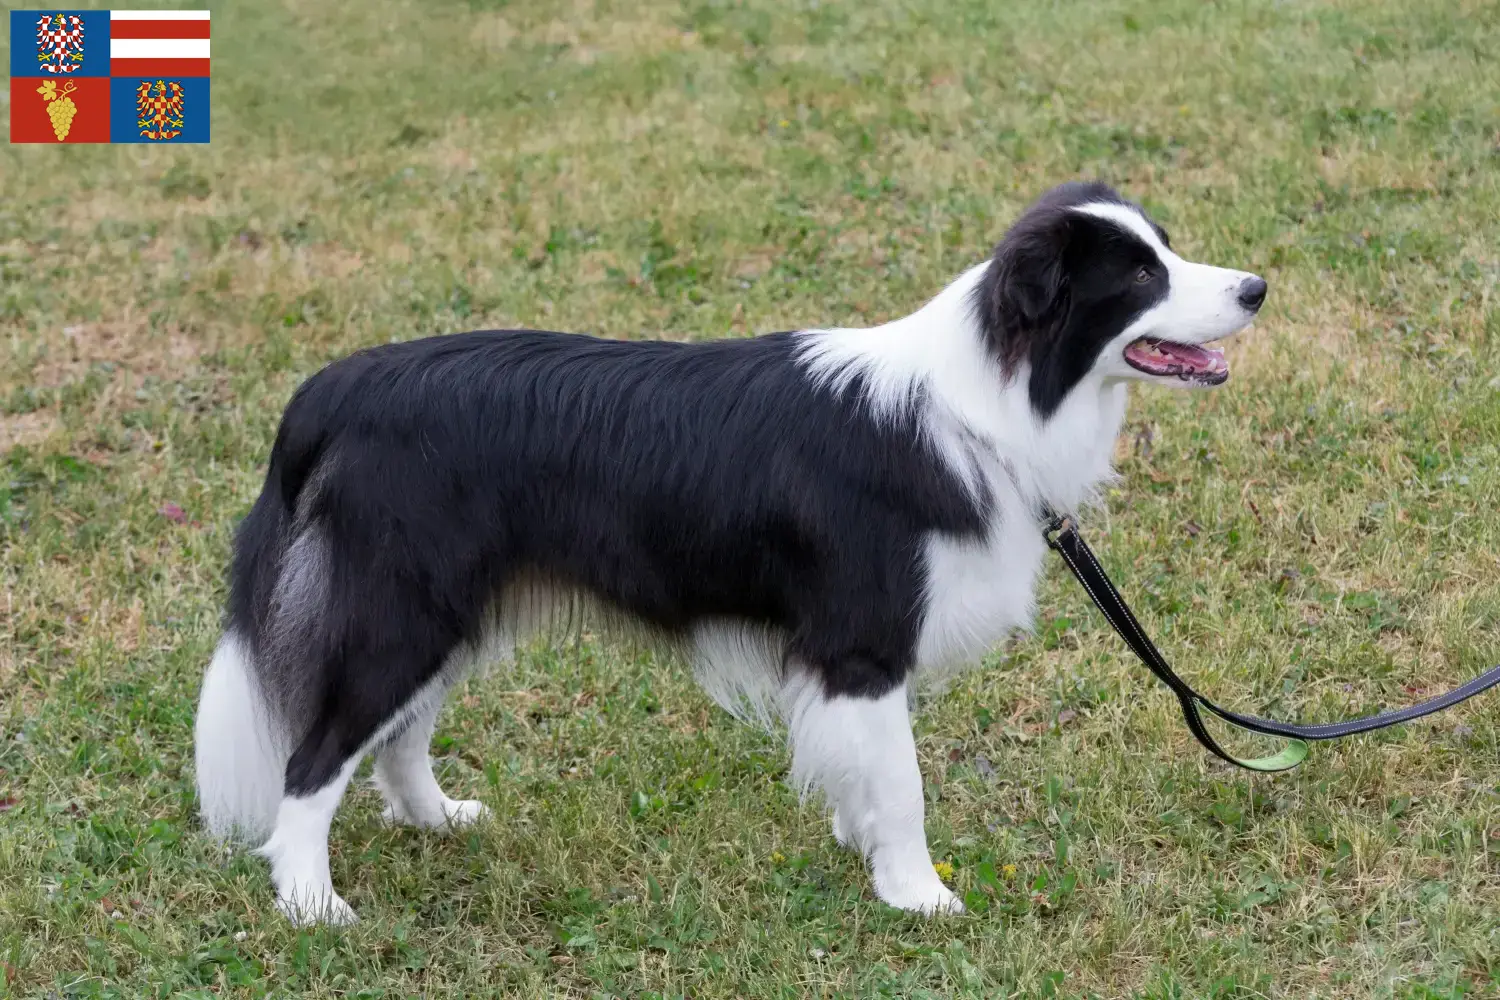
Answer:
[(60, 107)]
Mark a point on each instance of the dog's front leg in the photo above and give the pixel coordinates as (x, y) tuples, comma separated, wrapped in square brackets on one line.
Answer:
[(860, 753)]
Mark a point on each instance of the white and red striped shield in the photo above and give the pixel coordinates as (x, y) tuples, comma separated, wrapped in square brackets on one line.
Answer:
[(59, 42), (158, 43)]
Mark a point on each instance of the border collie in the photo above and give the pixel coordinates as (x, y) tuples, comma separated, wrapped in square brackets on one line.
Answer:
[(815, 519)]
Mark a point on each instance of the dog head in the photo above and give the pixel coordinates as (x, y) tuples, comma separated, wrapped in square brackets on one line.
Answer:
[(1085, 287)]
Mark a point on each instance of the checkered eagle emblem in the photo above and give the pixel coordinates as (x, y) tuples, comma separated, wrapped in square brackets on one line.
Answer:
[(158, 108), (59, 42)]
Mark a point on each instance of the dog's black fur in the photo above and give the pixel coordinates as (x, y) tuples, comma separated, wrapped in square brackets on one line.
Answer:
[(437, 471)]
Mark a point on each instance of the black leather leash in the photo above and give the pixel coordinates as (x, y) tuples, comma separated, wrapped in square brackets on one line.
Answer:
[(1062, 535)]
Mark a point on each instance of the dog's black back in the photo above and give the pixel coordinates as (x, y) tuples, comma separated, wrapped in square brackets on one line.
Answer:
[(412, 483)]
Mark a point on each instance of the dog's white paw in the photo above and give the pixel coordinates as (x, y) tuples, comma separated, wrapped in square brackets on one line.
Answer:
[(305, 906), (462, 812), (928, 898), (910, 883), (447, 814)]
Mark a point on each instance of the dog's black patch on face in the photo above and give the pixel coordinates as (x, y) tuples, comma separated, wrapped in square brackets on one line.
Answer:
[(1062, 284)]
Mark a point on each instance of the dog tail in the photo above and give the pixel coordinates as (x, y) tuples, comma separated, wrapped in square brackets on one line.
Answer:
[(244, 731), (241, 756)]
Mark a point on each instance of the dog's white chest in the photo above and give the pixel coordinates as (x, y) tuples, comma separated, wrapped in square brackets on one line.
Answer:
[(978, 591)]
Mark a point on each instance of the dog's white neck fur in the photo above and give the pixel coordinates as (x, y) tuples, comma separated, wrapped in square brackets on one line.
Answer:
[(935, 361)]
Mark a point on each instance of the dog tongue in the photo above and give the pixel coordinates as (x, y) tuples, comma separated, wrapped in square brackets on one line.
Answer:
[(1166, 356), (1189, 354)]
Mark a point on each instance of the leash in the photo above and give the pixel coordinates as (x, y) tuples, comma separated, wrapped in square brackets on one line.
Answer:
[(1062, 535)]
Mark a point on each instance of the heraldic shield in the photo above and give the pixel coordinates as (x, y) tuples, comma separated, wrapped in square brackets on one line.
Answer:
[(157, 109), (109, 76)]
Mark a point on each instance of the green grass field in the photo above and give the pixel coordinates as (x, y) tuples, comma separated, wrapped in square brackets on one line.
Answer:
[(1317, 538)]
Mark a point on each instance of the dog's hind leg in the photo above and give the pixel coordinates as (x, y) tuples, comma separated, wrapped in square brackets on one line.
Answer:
[(298, 852), (860, 752), (403, 773), (357, 712)]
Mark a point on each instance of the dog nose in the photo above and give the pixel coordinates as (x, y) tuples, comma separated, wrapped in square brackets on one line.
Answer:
[(1252, 293)]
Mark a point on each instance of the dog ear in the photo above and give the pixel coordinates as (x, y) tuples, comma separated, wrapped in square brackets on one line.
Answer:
[(1030, 279), (1025, 291)]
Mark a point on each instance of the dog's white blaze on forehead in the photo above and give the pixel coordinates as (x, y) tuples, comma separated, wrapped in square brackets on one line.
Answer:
[(1132, 221)]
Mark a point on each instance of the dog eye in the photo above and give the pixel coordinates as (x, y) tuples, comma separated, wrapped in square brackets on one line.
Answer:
[(1144, 275)]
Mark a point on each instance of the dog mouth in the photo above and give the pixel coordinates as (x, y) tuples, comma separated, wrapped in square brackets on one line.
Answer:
[(1167, 359)]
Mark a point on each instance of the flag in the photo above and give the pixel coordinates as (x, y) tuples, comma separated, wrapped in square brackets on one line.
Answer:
[(109, 76)]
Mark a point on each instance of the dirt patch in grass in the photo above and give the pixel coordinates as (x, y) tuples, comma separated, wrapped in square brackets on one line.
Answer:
[(126, 342), (27, 429)]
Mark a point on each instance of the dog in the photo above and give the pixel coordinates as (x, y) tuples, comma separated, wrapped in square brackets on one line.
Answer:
[(815, 519)]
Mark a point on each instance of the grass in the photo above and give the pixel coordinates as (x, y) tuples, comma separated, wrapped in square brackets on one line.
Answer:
[(1315, 539)]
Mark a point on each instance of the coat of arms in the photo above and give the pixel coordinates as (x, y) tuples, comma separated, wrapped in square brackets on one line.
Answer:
[(158, 109), (59, 42)]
